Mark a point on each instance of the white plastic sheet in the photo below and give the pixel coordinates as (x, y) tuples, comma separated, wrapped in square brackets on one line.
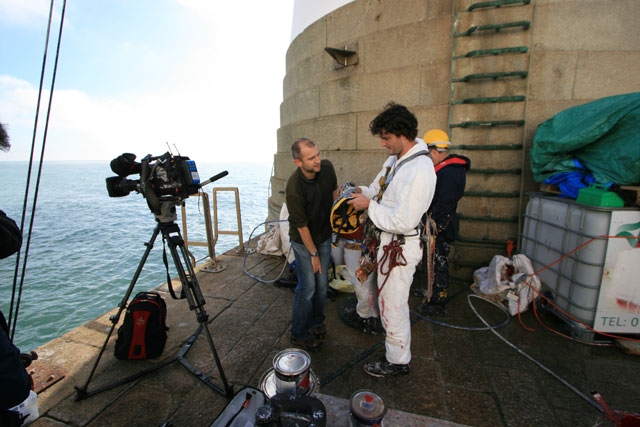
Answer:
[(509, 278)]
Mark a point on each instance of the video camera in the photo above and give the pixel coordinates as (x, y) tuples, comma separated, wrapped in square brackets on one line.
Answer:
[(165, 181)]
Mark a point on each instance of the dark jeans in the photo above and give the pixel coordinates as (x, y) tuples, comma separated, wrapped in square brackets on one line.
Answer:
[(311, 292), (441, 271)]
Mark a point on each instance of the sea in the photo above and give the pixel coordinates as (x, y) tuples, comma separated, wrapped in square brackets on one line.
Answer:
[(84, 246)]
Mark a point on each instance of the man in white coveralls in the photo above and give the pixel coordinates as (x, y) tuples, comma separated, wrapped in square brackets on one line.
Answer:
[(395, 202)]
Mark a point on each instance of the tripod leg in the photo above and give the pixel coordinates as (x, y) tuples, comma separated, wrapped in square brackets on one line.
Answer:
[(191, 288), (82, 391)]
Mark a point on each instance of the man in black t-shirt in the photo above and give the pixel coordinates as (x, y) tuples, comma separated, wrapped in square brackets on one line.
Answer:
[(310, 192)]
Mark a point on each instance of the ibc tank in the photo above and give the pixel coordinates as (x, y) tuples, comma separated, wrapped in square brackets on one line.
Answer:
[(554, 227)]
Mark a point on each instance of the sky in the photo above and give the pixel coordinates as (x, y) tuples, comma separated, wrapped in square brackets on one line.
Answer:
[(204, 76)]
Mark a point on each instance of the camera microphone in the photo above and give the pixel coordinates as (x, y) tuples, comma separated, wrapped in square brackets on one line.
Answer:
[(215, 178)]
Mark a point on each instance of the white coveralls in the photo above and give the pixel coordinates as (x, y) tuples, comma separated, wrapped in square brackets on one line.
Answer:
[(403, 203)]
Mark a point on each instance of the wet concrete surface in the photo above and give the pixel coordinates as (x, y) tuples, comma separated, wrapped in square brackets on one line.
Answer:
[(458, 376)]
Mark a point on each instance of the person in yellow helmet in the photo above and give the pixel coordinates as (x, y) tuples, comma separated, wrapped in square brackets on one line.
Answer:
[(451, 179)]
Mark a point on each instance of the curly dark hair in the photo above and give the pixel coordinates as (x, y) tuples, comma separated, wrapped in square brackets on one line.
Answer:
[(4, 139), (395, 119)]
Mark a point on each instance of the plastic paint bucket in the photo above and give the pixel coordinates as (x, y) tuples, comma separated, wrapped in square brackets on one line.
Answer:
[(367, 409), (352, 257)]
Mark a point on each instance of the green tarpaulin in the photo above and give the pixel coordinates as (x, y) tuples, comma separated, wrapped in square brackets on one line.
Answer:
[(604, 135)]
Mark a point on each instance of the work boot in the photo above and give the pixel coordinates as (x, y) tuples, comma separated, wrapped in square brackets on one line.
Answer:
[(432, 309), (372, 326), (319, 331), (351, 314), (382, 368), (308, 344)]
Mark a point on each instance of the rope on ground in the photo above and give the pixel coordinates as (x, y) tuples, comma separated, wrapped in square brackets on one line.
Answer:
[(540, 365), (244, 262), (469, 328)]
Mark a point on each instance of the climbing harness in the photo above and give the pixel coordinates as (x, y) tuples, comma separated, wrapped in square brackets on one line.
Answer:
[(392, 252)]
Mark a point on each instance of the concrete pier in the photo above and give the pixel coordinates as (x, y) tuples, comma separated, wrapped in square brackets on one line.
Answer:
[(457, 376)]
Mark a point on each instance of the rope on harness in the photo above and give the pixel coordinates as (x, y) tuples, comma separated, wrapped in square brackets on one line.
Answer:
[(391, 257)]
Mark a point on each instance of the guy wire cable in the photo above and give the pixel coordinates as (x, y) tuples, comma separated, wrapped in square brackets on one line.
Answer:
[(13, 318), (244, 262), (540, 365)]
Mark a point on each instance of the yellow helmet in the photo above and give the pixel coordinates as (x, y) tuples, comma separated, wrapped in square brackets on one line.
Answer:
[(437, 138), (345, 218)]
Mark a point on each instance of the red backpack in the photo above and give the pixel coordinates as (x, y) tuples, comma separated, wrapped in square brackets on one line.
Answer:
[(143, 333)]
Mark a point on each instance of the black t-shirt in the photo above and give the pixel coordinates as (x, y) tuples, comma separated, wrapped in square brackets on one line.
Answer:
[(309, 202)]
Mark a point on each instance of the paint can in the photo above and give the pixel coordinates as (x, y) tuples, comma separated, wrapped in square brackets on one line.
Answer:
[(291, 374), (367, 409)]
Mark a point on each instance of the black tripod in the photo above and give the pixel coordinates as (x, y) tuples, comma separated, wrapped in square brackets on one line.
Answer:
[(191, 289)]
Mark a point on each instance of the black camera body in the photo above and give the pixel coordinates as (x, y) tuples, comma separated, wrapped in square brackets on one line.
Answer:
[(165, 181)]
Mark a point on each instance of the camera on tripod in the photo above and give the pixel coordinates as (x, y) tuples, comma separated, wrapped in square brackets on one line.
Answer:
[(165, 181)]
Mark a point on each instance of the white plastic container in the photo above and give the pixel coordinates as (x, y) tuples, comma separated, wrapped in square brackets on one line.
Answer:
[(554, 227), (352, 257)]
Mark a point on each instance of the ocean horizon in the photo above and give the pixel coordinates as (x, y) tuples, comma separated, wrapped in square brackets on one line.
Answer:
[(85, 246)]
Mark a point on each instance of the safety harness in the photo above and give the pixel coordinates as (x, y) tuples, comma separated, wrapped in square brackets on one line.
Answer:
[(392, 252)]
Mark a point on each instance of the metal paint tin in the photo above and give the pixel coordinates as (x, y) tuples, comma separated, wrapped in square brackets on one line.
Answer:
[(367, 409), (291, 374), (268, 384)]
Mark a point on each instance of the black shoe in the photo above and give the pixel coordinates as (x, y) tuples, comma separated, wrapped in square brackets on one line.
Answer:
[(382, 368), (319, 331), (351, 314), (432, 309), (372, 326), (310, 344)]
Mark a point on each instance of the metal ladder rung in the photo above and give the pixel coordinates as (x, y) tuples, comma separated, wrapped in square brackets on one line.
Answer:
[(494, 76), (487, 147), (516, 171), (487, 218), (497, 27), (491, 194), (496, 3), (495, 99), (499, 51), (487, 123)]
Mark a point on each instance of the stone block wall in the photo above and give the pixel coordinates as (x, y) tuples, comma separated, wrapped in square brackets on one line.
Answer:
[(576, 51)]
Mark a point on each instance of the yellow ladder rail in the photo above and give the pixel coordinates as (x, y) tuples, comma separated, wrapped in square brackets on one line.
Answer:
[(212, 266), (237, 232)]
